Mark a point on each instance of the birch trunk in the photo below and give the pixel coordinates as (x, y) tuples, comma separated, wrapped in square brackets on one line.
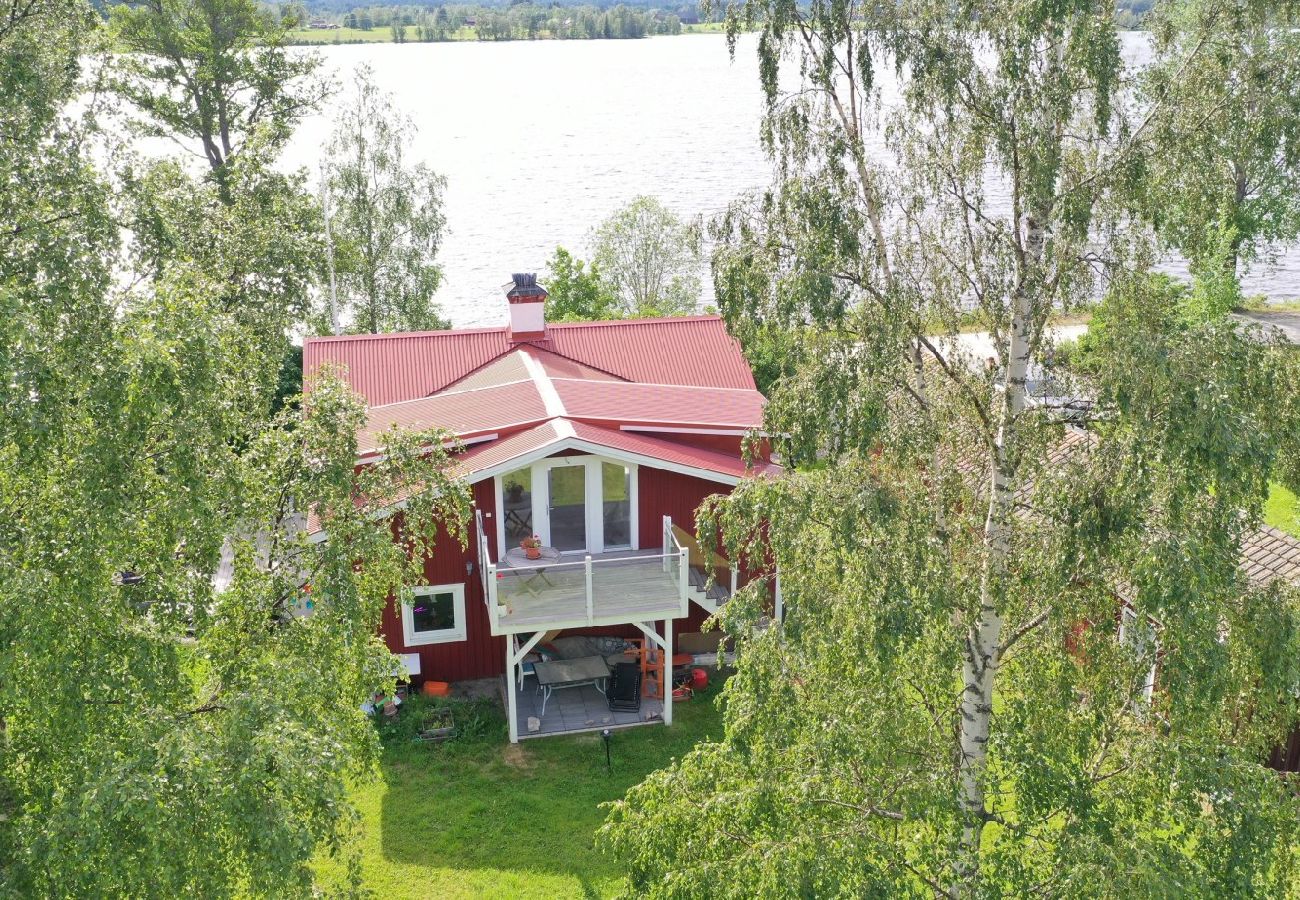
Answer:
[(979, 669)]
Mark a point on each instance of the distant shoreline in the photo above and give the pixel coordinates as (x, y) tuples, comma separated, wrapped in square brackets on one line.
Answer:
[(328, 37)]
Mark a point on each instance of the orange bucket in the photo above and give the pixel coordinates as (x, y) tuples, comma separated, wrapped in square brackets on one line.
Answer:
[(435, 689)]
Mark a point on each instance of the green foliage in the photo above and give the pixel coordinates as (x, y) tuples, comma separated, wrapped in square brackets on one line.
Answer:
[(1240, 96), (386, 218), (576, 293), (949, 707), (174, 723), (648, 259), (213, 73)]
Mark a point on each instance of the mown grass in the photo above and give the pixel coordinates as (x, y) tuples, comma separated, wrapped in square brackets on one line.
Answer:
[(479, 817), (1282, 510)]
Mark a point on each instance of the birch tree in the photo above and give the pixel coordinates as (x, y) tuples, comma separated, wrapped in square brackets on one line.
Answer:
[(648, 258), (948, 708), (181, 666), (1233, 193), (386, 216)]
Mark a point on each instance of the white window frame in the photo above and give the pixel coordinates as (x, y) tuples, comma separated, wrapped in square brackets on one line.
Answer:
[(413, 638), (541, 487)]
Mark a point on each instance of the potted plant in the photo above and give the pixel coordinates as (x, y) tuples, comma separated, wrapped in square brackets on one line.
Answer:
[(532, 547)]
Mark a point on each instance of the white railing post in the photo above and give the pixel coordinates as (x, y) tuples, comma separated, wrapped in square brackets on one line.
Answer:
[(734, 574), (780, 606), (491, 595), (668, 539), (684, 577), (591, 601)]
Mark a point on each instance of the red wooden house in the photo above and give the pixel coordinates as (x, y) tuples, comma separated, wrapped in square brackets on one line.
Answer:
[(600, 438)]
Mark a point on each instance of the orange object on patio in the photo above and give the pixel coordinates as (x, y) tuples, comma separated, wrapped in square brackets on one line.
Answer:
[(435, 688), (682, 659)]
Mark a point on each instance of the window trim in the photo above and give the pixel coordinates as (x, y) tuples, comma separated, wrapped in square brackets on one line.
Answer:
[(540, 476), (413, 638)]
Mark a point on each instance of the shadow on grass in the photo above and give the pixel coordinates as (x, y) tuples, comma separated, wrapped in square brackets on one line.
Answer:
[(529, 809)]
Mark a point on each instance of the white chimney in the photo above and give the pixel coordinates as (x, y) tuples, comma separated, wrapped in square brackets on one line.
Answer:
[(527, 301)]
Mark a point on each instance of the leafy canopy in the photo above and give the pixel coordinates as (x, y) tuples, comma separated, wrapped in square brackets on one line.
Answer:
[(181, 666), (949, 707), (386, 218)]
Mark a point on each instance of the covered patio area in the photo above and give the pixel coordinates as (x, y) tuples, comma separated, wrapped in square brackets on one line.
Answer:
[(578, 709), (547, 694)]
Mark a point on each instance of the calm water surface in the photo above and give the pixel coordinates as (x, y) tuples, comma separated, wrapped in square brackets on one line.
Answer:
[(539, 141)]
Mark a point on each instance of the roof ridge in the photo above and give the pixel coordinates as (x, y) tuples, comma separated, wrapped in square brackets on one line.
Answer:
[(489, 329)]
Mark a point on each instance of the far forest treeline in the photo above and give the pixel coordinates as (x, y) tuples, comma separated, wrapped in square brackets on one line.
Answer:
[(518, 22)]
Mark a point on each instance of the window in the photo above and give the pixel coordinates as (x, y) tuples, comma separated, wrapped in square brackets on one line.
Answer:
[(616, 481), (517, 505), (435, 615), (1141, 640)]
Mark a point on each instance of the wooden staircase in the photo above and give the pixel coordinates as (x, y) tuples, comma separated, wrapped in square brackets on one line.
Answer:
[(698, 588)]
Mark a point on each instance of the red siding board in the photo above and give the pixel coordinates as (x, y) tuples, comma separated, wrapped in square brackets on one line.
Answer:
[(662, 493), (478, 656), (481, 655)]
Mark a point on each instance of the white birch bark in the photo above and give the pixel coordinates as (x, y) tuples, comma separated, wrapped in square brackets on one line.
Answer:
[(982, 650)]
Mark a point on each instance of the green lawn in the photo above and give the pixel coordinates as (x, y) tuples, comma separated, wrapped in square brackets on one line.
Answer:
[(1283, 510), (479, 817)]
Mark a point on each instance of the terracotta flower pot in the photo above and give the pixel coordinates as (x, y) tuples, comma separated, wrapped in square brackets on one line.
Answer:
[(533, 552)]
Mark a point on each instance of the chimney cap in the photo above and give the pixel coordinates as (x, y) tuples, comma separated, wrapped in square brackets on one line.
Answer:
[(523, 286)]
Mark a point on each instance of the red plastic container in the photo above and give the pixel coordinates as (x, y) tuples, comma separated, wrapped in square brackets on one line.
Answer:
[(436, 688), (699, 679)]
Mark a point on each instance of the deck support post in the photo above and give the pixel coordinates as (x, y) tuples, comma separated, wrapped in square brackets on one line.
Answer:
[(512, 714), (668, 671), (780, 606), (515, 657)]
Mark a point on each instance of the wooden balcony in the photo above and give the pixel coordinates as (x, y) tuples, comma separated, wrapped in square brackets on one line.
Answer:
[(614, 588)]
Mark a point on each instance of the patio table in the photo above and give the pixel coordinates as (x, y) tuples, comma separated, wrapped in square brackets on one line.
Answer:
[(554, 674), (517, 558)]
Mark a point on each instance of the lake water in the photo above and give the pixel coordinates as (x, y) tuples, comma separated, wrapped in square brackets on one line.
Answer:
[(539, 141)]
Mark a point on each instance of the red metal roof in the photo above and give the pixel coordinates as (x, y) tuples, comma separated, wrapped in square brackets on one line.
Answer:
[(658, 403), (507, 407), (388, 368), (482, 457)]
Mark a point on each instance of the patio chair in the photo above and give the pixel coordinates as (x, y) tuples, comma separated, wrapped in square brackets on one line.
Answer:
[(624, 688)]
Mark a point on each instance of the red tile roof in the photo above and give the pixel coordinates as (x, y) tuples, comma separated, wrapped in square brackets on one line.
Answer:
[(388, 368)]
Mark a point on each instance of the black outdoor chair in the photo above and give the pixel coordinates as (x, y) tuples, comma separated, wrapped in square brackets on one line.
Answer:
[(624, 688)]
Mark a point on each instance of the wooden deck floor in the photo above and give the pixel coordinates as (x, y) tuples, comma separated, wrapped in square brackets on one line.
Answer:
[(626, 590)]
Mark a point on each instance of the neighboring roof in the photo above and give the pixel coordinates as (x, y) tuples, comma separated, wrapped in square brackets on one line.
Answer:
[(388, 368), (1267, 553)]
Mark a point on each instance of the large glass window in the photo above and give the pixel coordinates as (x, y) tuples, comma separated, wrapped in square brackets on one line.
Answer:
[(517, 506), (568, 507), (616, 488), (435, 615)]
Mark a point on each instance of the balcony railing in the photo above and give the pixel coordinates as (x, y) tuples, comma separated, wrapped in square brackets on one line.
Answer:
[(609, 589)]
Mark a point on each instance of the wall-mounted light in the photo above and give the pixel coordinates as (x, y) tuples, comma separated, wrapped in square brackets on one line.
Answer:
[(469, 568)]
